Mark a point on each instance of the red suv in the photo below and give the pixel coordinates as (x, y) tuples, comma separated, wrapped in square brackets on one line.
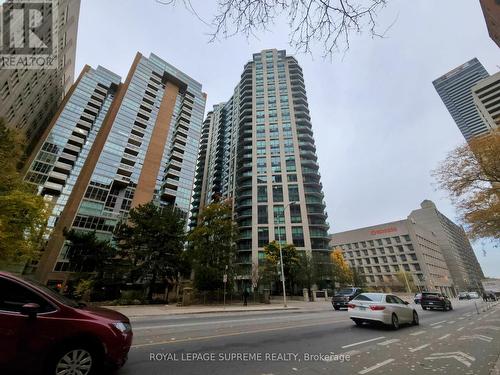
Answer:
[(41, 331)]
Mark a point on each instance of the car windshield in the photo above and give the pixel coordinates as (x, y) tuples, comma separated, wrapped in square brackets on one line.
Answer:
[(373, 297), (345, 291), (57, 296)]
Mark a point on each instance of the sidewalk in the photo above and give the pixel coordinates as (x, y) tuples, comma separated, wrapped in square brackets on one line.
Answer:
[(138, 311)]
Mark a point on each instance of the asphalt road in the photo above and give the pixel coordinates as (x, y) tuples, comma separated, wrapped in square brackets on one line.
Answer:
[(316, 342)]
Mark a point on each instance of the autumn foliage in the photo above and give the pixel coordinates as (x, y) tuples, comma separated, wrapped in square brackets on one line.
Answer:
[(471, 175)]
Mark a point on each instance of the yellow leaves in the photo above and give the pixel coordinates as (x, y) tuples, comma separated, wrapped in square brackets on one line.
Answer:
[(471, 176)]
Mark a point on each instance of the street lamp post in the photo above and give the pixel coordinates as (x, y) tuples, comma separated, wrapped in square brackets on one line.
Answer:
[(281, 255)]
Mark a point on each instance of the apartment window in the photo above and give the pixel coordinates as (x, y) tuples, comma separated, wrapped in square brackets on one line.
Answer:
[(280, 233), (278, 193), (400, 248), (403, 257), (397, 239), (293, 193), (298, 236), (290, 164), (276, 178), (371, 243), (379, 242), (261, 193), (416, 266), (261, 165), (356, 245), (262, 214), (363, 243), (279, 214), (262, 236), (291, 178), (406, 237), (387, 241), (295, 214), (393, 259), (276, 164), (406, 267)]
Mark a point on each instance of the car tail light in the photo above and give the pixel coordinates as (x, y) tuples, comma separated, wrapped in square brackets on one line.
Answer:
[(377, 307), (351, 305)]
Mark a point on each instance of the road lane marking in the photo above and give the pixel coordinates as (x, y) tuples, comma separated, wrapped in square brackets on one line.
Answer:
[(459, 356), (478, 337), (413, 350), (417, 333), (350, 353), (387, 342), (460, 329), (488, 327), (378, 365), (461, 318), (439, 326), (451, 321), (363, 342), (445, 336), (236, 334), (433, 324)]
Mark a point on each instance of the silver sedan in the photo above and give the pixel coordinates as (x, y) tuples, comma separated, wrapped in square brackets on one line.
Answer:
[(381, 308)]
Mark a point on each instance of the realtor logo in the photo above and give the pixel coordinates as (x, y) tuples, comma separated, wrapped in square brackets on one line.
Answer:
[(28, 34)]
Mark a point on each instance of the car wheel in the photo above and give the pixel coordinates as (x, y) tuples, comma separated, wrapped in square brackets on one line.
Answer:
[(337, 308), (424, 308), (415, 321), (451, 307), (358, 322), (394, 322), (76, 359)]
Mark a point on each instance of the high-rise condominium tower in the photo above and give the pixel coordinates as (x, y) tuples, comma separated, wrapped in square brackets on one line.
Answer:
[(29, 98), (113, 146), (258, 150), (455, 89)]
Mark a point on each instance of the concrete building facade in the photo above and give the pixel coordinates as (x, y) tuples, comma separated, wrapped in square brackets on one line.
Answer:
[(258, 150), (455, 90), (491, 11), (113, 146), (486, 94), (29, 98), (464, 267), (382, 252)]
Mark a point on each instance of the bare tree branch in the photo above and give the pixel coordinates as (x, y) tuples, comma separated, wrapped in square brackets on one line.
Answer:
[(329, 23)]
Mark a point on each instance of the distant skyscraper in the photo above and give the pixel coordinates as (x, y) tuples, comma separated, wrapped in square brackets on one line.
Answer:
[(29, 98), (113, 146), (258, 150), (491, 10), (455, 89), (486, 94)]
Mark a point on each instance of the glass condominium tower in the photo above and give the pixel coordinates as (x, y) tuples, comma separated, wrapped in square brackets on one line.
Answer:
[(113, 146), (257, 149)]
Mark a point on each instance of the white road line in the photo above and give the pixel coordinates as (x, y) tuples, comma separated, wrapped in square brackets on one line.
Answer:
[(461, 318), (433, 324), (445, 336), (460, 329), (417, 333), (367, 370), (350, 353), (413, 350), (439, 326), (387, 342), (363, 342), (451, 321)]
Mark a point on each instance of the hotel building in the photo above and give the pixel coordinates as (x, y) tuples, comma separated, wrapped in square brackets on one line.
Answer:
[(113, 146)]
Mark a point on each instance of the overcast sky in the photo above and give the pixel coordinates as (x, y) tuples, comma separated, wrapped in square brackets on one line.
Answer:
[(379, 125)]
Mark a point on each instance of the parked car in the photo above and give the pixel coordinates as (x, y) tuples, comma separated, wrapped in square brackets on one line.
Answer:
[(417, 298), (434, 300), (41, 329), (342, 297), (489, 295), (463, 295), (474, 295), (381, 308)]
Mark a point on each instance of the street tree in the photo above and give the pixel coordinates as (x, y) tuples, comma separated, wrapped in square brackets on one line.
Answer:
[(291, 261), (153, 240), (340, 270), (329, 24), (212, 247), (358, 280), (471, 176), (406, 280), (23, 214), (87, 253)]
